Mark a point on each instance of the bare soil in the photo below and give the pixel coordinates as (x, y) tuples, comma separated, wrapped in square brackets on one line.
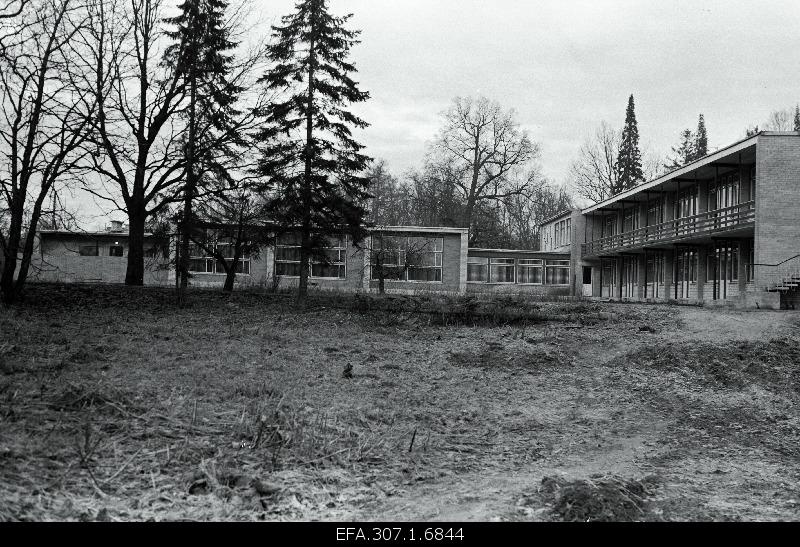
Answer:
[(117, 405)]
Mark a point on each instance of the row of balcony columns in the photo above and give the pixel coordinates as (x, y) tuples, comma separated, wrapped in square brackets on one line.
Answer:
[(705, 290)]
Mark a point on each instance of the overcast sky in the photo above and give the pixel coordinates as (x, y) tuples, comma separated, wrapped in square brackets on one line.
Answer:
[(567, 65)]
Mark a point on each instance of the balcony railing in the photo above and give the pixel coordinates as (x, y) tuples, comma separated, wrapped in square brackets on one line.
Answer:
[(719, 220)]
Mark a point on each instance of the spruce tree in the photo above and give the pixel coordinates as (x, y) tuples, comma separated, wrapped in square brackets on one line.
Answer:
[(200, 54), (312, 165), (797, 118), (629, 158), (683, 153), (700, 148)]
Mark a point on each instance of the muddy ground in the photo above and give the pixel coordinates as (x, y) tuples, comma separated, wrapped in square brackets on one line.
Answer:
[(116, 405)]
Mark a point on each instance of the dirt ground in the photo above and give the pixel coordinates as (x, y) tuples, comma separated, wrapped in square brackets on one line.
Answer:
[(117, 405)]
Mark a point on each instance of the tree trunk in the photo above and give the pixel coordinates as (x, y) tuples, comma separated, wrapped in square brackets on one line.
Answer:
[(188, 190), (27, 250), (135, 271), (10, 253), (302, 289), (230, 279)]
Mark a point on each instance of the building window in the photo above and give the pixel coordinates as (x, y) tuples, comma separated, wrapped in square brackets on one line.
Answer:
[(530, 271), (331, 264), (723, 264), (655, 269), (89, 250), (630, 220), (654, 212), (609, 225), (725, 192), (557, 272), (501, 270), (115, 250), (477, 269), (202, 261), (562, 231), (408, 258), (687, 202), (686, 265), (287, 255)]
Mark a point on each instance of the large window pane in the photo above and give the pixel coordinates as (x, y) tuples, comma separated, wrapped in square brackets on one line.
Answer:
[(407, 258), (501, 270), (530, 271), (557, 272), (477, 270)]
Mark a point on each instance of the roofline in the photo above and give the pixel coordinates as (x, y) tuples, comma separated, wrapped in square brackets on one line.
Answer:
[(556, 216), (433, 229), (705, 160), (528, 251), (79, 233)]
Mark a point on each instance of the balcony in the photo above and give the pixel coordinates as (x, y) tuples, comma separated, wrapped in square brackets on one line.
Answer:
[(679, 229)]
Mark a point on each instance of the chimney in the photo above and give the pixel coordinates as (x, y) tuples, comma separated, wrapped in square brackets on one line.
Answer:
[(116, 226)]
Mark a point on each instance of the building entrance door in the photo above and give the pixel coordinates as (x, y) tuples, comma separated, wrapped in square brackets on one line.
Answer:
[(587, 281)]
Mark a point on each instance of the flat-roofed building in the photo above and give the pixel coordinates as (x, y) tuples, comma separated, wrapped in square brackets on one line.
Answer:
[(724, 229)]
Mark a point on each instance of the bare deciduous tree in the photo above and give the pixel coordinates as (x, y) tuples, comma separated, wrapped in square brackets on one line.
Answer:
[(489, 149), (593, 175), (137, 135), (780, 120), (12, 8), (140, 135), (45, 119)]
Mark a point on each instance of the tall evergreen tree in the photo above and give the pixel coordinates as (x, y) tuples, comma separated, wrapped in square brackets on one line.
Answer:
[(201, 55), (312, 163), (629, 158), (700, 140), (797, 117), (683, 153)]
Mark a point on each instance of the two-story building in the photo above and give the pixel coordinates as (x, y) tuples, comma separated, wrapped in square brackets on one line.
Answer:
[(724, 229)]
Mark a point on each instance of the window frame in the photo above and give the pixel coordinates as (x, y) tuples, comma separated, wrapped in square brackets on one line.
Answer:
[(214, 262), (341, 249), (483, 262), (527, 264), (404, 247), (509, 263), (95, 248), (567, 267)]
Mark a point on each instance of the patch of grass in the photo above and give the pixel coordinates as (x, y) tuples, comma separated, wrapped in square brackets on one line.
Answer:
[(599, 499), (773, 364)]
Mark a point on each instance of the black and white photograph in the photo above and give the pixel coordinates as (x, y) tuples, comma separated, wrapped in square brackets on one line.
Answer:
[(403, 268)]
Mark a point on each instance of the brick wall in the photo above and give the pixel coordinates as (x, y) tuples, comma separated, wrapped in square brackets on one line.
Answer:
[(777, 231)]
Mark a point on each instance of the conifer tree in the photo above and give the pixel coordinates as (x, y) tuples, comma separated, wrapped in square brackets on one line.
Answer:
[(797, 118), (629, 158), (200, 54), (700, 148), (683, 153), (312, 165)]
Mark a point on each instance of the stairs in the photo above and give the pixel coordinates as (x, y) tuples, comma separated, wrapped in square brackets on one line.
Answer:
[(788, 282)]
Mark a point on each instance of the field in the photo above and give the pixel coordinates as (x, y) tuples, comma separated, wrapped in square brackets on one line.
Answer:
[(117, 405)]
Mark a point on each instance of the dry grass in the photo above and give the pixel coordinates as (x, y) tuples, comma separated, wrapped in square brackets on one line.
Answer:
[(599, 499), (116, 405)]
